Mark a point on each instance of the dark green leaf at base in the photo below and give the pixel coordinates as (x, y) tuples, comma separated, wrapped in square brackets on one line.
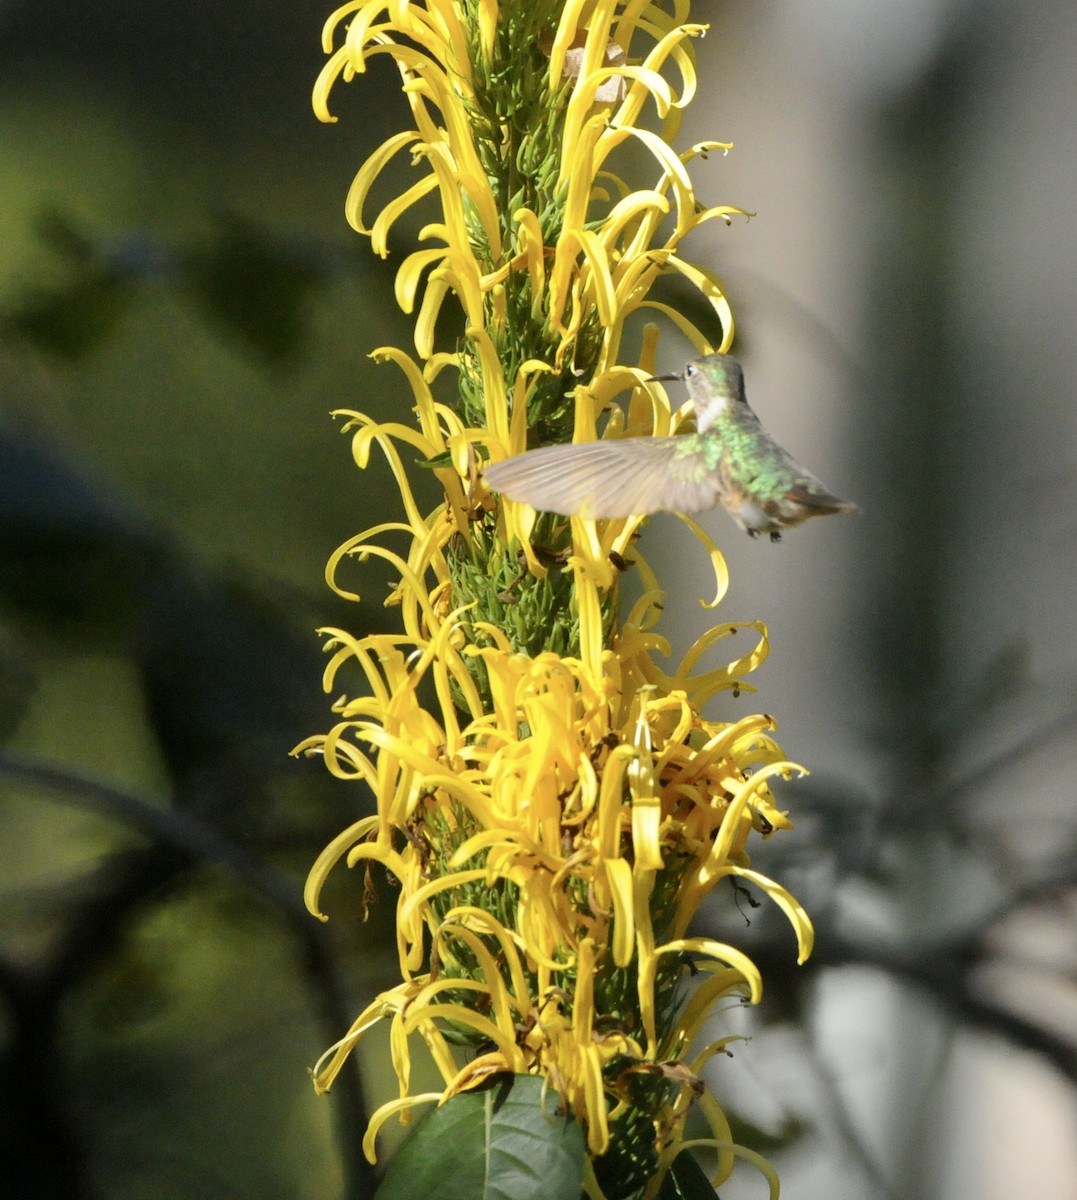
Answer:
[(505, 1142), (687, 1180)]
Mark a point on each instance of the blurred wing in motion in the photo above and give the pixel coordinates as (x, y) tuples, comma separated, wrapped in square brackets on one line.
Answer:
[(619, 478)]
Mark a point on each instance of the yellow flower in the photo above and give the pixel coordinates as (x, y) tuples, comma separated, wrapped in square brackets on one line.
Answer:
[(561, 808), (531, 794), (555, 822), (606, 256)]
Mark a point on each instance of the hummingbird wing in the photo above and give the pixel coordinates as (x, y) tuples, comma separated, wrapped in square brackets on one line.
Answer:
[(622, 477)]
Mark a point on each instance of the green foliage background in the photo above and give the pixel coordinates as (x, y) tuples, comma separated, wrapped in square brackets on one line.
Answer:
[(181, 304)]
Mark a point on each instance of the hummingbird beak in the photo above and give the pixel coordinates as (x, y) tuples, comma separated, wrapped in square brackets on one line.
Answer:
[(665, 378)]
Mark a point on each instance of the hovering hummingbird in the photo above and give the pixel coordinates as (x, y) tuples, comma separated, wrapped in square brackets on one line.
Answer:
[(731, 460)]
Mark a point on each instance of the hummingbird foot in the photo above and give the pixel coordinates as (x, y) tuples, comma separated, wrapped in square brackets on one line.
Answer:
[(775, 536)]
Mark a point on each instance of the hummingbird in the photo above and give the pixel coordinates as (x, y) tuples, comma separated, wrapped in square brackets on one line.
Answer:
[(730, 460)]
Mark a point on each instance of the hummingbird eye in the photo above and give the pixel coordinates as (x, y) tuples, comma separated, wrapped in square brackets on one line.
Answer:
[(691, 370)]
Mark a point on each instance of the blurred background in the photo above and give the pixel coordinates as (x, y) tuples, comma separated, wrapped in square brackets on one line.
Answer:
[(182, 304)]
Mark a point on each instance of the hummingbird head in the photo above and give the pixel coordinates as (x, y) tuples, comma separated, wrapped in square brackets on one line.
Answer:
[(714, 382)]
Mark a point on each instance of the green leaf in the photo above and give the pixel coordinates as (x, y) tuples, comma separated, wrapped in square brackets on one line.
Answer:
[(505, 1142), (686, 1180), (73, 320), (444, 459)]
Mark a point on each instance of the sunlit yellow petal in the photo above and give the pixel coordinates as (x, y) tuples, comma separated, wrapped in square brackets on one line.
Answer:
[(329, 858), (788, 903), (369, 172), (730, 955), (567, 25), (711, 287), (619, 874), (385, 1111)]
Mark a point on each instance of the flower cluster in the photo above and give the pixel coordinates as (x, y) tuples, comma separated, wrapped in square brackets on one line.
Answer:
[(556, 815)]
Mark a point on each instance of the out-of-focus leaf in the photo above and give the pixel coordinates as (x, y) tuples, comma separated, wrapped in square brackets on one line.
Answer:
[(58, 231), (228, 675), (768, 1141), (17, 681), (74, 319), (70, 551), (256, 286)]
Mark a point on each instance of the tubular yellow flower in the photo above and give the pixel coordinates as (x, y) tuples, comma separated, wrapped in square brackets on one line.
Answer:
[(593, 265), (514, 799), (556, 817)]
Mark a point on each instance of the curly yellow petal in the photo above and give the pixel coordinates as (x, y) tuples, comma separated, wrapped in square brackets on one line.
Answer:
[(724, 953), (328, 859), (403, 1104), (787, 902)]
